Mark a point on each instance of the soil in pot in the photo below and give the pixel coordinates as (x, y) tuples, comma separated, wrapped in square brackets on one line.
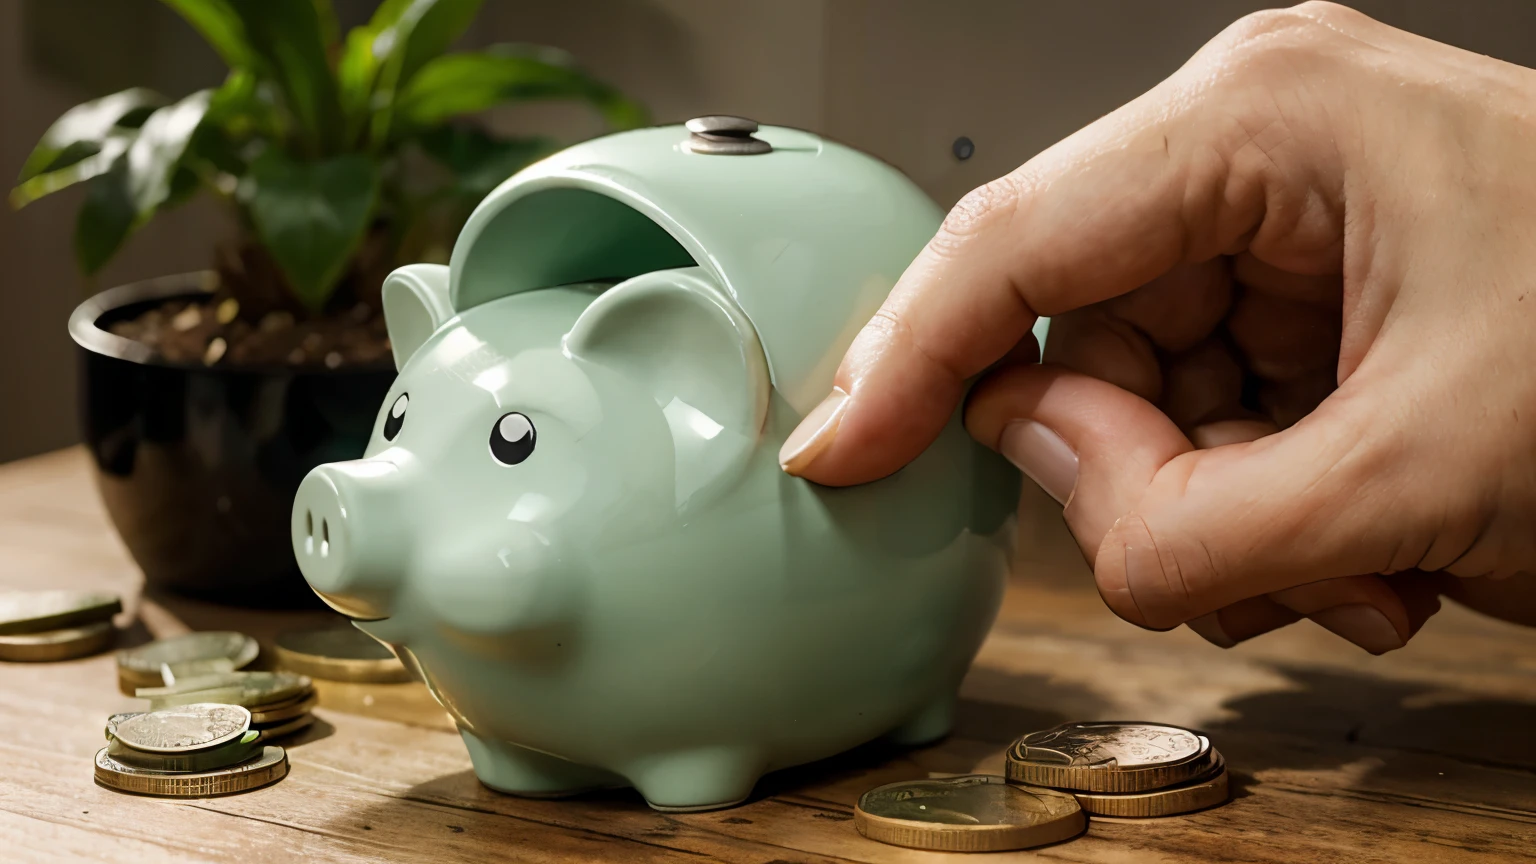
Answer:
[(212, 332)]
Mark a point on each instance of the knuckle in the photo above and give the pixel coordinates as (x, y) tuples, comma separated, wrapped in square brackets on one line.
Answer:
[(977, 213), (1306, 28)]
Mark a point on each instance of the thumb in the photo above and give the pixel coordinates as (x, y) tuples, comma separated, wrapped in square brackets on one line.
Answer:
[(1175, 533)]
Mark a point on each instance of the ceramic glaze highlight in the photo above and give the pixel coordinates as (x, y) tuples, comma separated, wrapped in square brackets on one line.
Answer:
[(574, 525)]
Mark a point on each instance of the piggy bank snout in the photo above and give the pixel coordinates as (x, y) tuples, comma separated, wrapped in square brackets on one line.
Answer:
[(346, 537)]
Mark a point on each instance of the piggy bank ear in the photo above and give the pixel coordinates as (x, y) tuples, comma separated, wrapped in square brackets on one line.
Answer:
[(415, 304), (678, 333)]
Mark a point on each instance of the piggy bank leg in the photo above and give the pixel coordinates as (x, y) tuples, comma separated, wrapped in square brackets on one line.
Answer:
[(704, 779), (929, 724), (520, 771)]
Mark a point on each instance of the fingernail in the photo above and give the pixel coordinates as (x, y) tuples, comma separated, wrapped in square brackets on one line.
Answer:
[(814, 434), (1363, 625), (1042, 455)]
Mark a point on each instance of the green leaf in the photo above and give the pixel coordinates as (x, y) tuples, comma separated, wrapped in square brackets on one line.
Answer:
[(106, 218), (93, 165), (156, 152), (80, 131), (220, 26), (386, 52), (467, 83), (311, 216), (330, 28), (425, 30), (288, 37), (479, 161), (354, 78)]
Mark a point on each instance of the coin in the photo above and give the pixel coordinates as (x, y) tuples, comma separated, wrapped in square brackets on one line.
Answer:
[(269, 767), (190, 683), (116, 719), (189, 654), (282, 730), (37, 611), (51, 645), (1197, 794), (248, 689), (1109, 757), (974, 813), (188, 727), (287, 711), (339, 654), (195, 761)]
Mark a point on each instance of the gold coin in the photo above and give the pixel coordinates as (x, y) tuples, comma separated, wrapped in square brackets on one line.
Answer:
[(37, 611), (269, 767), (129, 684), (974, 813), (339, 654), (1197, 794), (283, 730), (51, 645), (1109, 756), (192, 762), (183, 729), (185, 655), (284, 712), (283, 705)]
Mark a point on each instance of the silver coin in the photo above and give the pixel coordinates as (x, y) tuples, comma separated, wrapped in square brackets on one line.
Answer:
[(210, 759), (184, 728), (1122, 745), (38, 611), (249, 689), (116, 719), (189, 654)]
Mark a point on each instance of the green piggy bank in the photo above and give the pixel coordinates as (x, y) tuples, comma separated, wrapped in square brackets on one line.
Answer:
[(571, 521)]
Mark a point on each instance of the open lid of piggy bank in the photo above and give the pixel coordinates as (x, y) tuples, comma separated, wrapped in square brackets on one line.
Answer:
[(806, 235)]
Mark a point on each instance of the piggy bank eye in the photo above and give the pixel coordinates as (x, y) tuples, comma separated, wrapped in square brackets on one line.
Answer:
[(396, 417), (512, 439)]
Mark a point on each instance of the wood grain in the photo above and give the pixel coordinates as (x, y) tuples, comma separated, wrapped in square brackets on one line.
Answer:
[(1427, 754)]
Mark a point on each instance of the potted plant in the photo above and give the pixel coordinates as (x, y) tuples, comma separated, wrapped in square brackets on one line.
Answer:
[(207, 397)]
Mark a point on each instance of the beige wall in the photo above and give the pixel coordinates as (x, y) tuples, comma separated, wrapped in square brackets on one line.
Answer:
[(901, 78)]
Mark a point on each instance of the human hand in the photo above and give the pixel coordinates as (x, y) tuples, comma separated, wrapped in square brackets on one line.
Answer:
[(1292, 363)]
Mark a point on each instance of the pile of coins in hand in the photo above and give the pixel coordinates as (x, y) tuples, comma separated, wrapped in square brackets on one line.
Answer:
[(41, 626), (1054, 777), (187, 751)]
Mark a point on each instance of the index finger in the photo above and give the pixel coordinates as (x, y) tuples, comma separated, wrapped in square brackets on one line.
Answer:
[(1186, 172)]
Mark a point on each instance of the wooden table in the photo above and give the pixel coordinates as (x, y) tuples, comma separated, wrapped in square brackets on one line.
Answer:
[(1428, 754)]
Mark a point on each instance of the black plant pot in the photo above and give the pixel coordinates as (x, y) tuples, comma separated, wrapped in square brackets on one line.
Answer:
[(198, 466)]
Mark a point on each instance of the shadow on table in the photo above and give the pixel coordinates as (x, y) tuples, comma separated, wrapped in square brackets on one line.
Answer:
[(1339, 708)]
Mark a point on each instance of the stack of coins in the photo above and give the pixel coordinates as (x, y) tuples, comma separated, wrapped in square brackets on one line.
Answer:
[(279, 702), (188, 751), (162, 662), (1054, 778), (56, 625), (1123, 769)]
